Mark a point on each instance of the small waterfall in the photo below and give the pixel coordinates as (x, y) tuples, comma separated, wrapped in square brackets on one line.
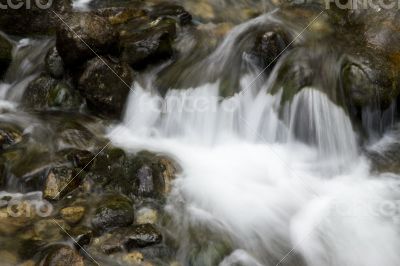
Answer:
[(268, 184), (28, 61)]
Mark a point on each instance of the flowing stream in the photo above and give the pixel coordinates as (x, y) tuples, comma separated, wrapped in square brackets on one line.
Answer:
[(274, 186)]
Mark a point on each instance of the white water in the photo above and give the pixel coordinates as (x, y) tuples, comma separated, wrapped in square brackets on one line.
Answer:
[(278, 184), (244, 171)]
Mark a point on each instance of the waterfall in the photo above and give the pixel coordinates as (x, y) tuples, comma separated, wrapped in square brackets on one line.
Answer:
[(268, 186)]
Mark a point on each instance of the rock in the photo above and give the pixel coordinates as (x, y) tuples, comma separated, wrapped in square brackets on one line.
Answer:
[(8, 258), (34, 20), (146, 216), (370, 80), (143, 235), (151, 46), (46, 92), (85, 35), (106, 91), (5, 55), (50, 230), (16, 216), (63, 256), (268, 47), (72, 215), (9, 135), (81, 158), (113, 211), (154, 175), (139, 236), (59, 182), (170, 10), (82, 236), (54, 63), (133, 258)]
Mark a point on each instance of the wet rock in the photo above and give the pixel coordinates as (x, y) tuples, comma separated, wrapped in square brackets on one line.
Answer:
[(63, 256), (59, 182), (54, 64), (121, 15), (16, 216), (91, 34), (8, 258), (5, 55), (50, 229), (370, 81), (146, 216), (170, 10), (139, 236), (106, 91), (81, 158), (113, 211), (82, 236), (150, 47), (133, 258), (143, 235), (36, 20), (9, 135), (46, 92), (268, 47), (72, 215)]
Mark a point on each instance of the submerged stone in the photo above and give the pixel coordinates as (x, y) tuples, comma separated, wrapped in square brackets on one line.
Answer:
[(113, 211)]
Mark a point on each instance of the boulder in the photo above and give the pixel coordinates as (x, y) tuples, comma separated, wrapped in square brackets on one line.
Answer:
[(113, 211), (105, 89), (268, 47), (46, 92), (151, 46), (5, 55), (83, 36), (54, 64), (35, 20)]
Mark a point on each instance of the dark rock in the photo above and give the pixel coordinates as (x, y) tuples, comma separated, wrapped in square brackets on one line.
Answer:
[(85, 36), (143, 235), (59, 182), (62, 256), (268, 47), (5, 55), (370, 80), (54, 63), (150, 47), (46, 92), (139, 236), (35, 20), (82, 236), (81, 158), (113, 211), (106, 90)]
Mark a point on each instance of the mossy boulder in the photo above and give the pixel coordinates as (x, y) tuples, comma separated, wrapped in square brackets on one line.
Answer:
[(45, 92), (106, 90), (83, 36), (112, 211)]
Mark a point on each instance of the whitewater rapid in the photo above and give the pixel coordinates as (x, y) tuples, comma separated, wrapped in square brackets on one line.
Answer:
[(245, 175)]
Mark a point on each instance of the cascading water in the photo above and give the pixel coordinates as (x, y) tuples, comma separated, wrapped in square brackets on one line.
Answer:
[(253, 190)]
